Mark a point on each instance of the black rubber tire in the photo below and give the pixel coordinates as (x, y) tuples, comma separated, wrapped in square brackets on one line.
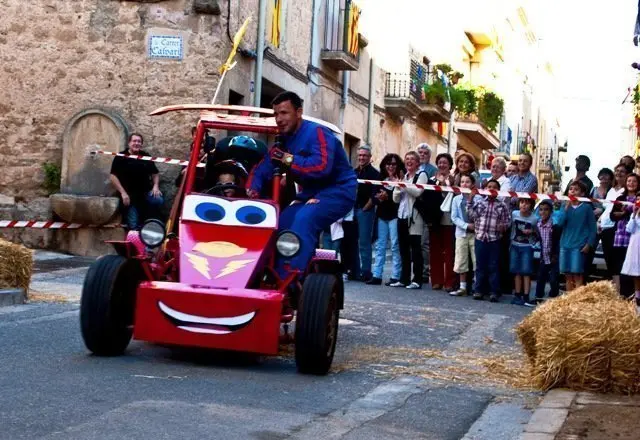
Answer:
[(107, 305), (316, 331)]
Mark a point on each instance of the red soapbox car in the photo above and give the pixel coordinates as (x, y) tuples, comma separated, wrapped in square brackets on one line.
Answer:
[(206, 278)]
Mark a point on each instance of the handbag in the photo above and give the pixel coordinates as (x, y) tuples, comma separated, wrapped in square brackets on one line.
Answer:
[(446, 203)]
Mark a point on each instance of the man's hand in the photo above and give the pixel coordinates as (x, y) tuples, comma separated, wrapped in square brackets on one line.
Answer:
[(253, 194), (471, 227), (312, 201), (155, 191), (585, 250), (279, 155)]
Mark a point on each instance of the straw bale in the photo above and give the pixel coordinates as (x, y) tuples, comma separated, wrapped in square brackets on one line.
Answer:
[(586, 340), (16, 265)]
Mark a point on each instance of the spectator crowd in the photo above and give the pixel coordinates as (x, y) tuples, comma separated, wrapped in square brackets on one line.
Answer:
[(487, 246)]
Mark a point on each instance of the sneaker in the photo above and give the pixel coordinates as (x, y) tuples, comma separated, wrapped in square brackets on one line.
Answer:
[(345, 277), (436, 286), (397, 284), (414, 286), (450, 289), (374, 281), (517, 301), (530, 303), (391, 282), (494, 298), (479, 296), (459, 292)]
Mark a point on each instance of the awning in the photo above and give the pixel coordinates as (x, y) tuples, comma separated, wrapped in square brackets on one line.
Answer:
[(478, 134)]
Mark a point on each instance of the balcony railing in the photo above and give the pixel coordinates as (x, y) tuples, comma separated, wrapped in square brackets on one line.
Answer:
[(401, 85), (341, 47)]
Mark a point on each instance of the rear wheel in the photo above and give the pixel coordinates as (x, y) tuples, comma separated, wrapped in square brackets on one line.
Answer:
[(107, 305), (317, 324)]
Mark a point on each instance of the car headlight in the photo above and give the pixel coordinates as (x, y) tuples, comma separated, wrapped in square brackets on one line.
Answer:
[(152, 233), (288, 244)]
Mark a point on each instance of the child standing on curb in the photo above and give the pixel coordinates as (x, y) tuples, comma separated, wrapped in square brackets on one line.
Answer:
[(491, 218), (549, 249), (578, 236), (631, 266), (523, 236), (465, 237)]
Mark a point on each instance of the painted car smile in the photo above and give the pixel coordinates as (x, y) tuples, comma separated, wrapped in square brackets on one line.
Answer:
[(203, 324)]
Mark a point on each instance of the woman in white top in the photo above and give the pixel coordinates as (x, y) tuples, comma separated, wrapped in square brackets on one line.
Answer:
[(606, 227), (410, 224)]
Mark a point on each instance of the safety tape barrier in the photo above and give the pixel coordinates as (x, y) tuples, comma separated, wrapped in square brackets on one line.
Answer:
[(166, 160), (448, 189), (38, 224), (488, 192)]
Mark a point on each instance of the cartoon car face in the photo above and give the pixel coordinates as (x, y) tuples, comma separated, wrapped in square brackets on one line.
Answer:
[(219, 211), (203, 324)]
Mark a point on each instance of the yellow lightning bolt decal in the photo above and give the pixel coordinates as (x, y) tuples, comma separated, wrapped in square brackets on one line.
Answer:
[(233, 266), (201, 264)]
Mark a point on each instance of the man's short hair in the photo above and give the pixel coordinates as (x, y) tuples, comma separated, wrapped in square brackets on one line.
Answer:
[(424, 146), (135, 134), (527, 155), (292, 97), (584, 159), (365, 147)]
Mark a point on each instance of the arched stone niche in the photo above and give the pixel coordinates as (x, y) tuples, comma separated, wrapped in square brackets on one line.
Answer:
[(89, 130)]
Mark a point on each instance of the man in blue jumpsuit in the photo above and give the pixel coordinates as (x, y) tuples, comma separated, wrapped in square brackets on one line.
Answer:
[(316, 160)]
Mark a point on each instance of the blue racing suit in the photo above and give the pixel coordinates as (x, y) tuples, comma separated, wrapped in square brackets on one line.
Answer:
[(320, 166)]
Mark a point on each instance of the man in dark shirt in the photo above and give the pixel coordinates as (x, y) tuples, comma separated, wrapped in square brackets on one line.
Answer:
[(137, 182), (583, 163), (364, 210)]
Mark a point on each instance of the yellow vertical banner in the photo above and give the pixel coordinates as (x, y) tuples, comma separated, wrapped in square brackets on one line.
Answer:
[(352, 35), (275, 23)]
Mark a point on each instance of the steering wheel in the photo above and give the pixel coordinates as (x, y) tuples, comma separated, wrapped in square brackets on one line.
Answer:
[(218, 190)]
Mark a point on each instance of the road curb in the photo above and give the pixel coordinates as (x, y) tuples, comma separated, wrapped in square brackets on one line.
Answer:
[(547, 420), (12, 297)]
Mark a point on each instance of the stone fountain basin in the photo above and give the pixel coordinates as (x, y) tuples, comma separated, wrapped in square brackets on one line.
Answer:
[(89, 210)]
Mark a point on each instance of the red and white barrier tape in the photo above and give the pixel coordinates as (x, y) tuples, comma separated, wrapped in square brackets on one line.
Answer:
[(4, 224), (453, 189), (166, 160)]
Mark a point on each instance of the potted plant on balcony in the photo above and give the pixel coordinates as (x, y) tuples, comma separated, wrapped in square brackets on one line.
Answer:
[(490, 109)]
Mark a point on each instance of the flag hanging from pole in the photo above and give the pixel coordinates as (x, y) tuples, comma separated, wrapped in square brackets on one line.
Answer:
[(236, 43), (275, 23), (353, 29)]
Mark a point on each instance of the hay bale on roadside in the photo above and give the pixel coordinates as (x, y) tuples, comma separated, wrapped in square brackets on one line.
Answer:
[(586, 340), (16, 265)]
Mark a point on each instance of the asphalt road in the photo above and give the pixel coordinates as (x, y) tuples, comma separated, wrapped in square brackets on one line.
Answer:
[(409, 364)]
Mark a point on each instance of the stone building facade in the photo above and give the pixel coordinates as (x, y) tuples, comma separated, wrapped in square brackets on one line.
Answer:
[(82, 74)]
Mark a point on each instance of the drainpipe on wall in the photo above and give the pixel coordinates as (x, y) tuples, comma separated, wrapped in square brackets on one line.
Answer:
[(314, 53), (345, 97), (262, 23), (371, 102)]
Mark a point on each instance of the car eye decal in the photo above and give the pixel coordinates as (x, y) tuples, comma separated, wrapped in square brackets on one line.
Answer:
[(251, 215), (210, 212), (220, 211)]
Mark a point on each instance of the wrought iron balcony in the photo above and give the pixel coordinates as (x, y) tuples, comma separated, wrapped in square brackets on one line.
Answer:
[(404, 97), (341, 43)]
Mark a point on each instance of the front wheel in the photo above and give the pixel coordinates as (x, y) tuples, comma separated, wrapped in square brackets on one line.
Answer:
[(316, 331), (107, 305)]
